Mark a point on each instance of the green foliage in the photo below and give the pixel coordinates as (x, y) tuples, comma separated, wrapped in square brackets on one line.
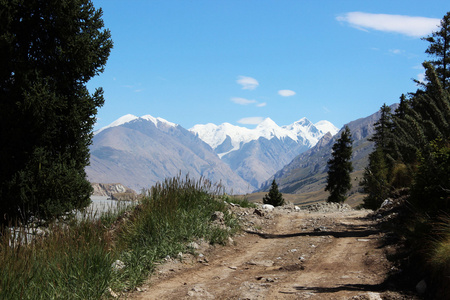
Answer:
[(49, 50), (274, 197), (440, 49), (238, 201), (375, 180), (339, 168), (383, 128), (432, 181), (174, 213), (72, 262)]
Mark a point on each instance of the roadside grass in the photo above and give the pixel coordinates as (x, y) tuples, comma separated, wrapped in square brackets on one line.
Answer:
[(74, 259), (173, 214), (71, 262), (242, 201), (439, 254)]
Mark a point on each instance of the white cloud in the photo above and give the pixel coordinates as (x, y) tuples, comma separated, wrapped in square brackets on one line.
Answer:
[(261, 104), (407, 25), (396, 51), (251, 120), (248, 83), (286, 93), (243, 101)]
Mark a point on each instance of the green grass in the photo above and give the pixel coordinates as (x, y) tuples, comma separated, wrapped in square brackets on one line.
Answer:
[(74, 260), (173, 214)]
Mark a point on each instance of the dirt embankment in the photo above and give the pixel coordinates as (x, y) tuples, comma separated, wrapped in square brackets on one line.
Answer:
[(284, 254)]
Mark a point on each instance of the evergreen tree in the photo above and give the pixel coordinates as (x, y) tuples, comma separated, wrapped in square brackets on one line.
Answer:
[(274, 197), (383, 128), (340, 167), (440, 49), (375, 180), (49, 50)]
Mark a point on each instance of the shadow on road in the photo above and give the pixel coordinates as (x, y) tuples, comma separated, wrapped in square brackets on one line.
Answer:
[(336, 234), (345, 287)]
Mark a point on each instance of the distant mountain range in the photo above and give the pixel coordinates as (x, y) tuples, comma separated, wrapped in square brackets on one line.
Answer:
[(307, 172), (140, 151), (256, 154)]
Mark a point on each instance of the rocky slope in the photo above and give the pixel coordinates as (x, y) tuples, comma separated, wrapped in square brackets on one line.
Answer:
[(138, 152), (307, 171)]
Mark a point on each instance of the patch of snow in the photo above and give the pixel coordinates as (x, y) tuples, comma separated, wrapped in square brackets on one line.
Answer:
[(158, 120), (120, 121), (129, 118), (326, 126)]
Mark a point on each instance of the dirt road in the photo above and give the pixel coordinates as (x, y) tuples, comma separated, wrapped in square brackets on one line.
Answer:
[(284, 254)]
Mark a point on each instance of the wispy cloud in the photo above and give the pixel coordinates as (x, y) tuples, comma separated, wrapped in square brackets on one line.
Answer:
[(243, 101), (286, 93), (396, 51), (248, 83), (251, 120), (407, 25)]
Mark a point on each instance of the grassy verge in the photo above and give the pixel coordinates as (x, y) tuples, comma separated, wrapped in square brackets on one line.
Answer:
[(74, 261)]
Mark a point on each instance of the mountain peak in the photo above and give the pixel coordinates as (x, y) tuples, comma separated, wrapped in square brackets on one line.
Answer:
[(129, 118), (267, 122), (326, 126), (122, 120), (158, 120)]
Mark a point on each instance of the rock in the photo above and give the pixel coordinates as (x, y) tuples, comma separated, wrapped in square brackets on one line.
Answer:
[(118, 265), (258, 212), (421, 287), (111, 292), (268, 207), (193, 245), (199, 292), (217, 216)]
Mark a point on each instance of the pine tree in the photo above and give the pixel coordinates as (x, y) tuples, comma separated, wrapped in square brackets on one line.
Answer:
[(383, 128), (440, 49), (340, 167), (375, 181), (49, 50), (274, 197)]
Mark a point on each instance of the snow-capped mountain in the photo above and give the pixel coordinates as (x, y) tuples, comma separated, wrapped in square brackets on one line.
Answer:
[(301, 131), (129, 118), (255, 154), (139, 151)]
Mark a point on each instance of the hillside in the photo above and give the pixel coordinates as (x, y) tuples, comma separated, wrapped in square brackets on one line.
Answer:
[(307, 172), (138, 152)]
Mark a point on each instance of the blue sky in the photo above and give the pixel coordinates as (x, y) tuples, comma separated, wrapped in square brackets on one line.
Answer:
[(214, 61)]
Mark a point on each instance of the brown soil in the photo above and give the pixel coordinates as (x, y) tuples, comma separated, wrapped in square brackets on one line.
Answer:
[(284, 254)]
